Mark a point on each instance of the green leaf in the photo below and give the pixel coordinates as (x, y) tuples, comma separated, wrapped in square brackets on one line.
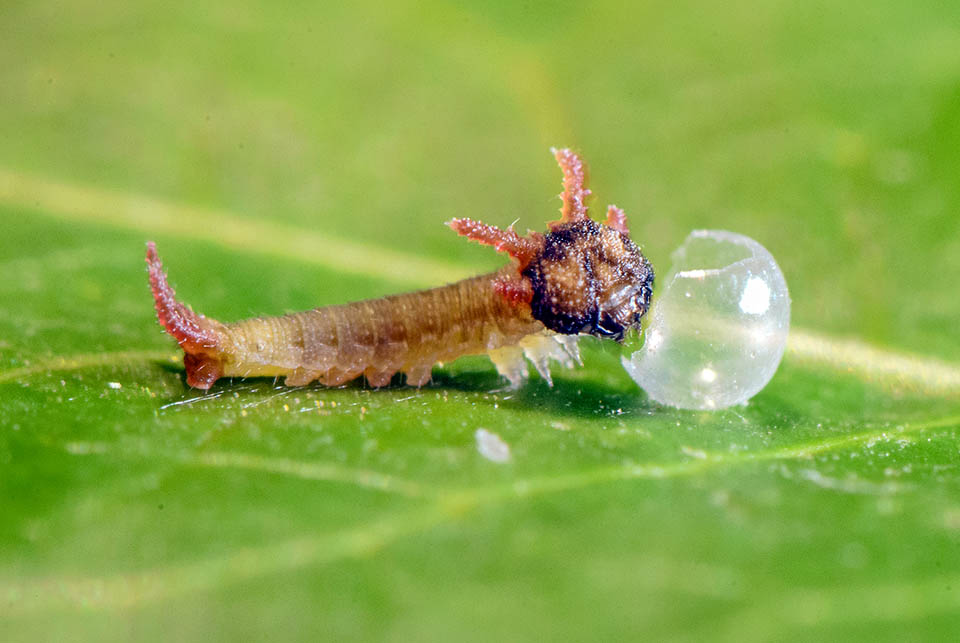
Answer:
[(284, 159)]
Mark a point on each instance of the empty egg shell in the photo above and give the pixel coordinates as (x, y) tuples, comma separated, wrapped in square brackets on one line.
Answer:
[(718, 327)]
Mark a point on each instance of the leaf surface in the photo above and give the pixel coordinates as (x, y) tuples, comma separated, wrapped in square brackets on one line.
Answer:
[(286, 159)]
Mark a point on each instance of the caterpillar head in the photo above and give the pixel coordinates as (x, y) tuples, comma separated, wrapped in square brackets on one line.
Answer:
[(582, 276), (589, 278)]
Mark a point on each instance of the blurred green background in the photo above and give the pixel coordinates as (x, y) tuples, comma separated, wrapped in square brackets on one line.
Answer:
[(286, 155)]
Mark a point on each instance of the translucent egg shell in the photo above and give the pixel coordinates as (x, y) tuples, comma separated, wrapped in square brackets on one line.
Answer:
[(718, 326)]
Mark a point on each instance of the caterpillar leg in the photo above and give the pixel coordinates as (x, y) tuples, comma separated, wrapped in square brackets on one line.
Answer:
[(301, 377), (419, 374), (197, 335), (539, 348), (379, 377), (338, 377), (510, 364), (570, 346)]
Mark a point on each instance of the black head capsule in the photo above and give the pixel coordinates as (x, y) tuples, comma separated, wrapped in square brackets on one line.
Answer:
[(589, 278)]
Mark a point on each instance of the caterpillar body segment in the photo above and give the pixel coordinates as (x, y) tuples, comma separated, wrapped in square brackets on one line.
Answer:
[(581, 277)]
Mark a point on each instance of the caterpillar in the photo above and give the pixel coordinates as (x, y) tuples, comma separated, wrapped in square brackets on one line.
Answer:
[(580, 277)]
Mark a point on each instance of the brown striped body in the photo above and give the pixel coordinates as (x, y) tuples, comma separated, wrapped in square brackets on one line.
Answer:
[(379, 337)]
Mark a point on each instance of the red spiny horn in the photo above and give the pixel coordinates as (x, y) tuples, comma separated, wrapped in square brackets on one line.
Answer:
[(191, 330), (617, 220), (508, 241), (575, 190)]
